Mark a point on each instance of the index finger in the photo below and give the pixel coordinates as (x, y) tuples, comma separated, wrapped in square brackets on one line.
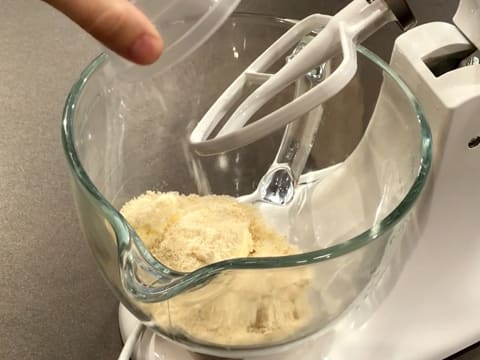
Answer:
[(118, 24)]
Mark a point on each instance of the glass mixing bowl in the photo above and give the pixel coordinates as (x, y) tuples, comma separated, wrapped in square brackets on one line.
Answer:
[(367, 166)]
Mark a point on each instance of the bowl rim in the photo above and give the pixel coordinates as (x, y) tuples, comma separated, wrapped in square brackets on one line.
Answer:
[(125, 232)]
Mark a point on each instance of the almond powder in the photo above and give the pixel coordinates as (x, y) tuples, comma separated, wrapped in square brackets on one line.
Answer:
[(241, 307)]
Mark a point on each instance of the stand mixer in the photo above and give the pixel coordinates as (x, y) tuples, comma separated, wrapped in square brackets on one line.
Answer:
[(407, 296)]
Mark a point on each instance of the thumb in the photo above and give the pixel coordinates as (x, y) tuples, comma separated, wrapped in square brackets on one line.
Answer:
[(117, 24)]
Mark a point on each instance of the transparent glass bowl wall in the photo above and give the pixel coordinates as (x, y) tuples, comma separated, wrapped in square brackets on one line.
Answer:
[(124, 139)]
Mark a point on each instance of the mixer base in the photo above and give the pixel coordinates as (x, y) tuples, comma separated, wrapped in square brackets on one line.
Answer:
[(152, 347)]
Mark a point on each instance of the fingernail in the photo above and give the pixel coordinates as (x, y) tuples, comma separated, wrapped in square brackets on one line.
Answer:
[(146, 49)]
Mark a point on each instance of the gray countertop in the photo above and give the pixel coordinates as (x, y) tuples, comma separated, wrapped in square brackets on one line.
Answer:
[(54, 303)]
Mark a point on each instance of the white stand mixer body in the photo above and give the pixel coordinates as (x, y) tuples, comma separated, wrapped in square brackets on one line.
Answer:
[(433, 310)]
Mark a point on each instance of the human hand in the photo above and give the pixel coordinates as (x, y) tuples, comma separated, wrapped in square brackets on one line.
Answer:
[(118, 24)]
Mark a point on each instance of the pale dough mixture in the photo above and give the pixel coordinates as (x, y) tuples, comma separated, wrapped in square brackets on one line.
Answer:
[(237, 307)]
